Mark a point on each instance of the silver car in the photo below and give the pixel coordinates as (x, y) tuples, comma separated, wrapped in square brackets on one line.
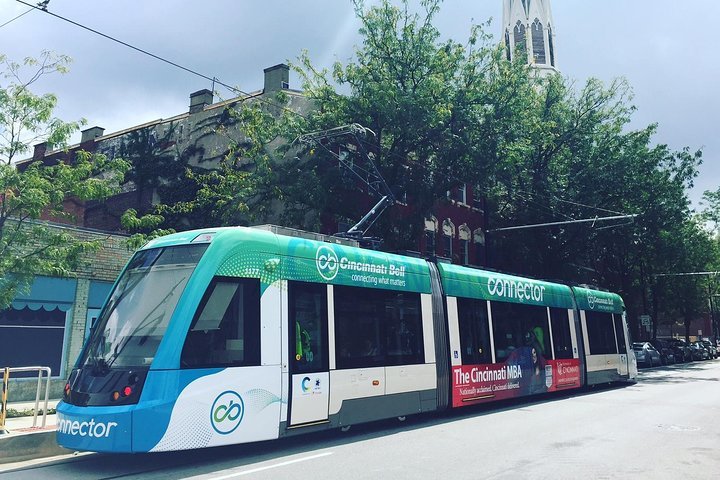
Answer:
[(646, 354)]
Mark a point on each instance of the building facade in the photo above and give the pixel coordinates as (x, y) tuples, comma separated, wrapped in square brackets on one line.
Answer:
[(201, 137)]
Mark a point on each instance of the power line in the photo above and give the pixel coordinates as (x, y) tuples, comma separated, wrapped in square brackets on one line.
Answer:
[(554, 197), (213, 79), (551, 224), (686, 274), (12, 20)]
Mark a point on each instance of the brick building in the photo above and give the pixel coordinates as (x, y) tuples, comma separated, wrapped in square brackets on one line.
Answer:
[(202, 137)]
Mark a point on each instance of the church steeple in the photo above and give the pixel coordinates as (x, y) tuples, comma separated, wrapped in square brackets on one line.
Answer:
[(528, 27)]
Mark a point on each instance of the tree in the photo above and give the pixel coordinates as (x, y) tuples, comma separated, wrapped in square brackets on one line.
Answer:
[(29, 246), (445, 113), (442, 112)]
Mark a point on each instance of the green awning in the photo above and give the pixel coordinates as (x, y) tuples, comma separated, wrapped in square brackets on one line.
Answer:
[(48, 293)]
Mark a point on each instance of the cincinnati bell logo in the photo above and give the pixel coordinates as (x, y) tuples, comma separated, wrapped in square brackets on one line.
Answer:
[(327, 263), (591, 301), (227, 412)]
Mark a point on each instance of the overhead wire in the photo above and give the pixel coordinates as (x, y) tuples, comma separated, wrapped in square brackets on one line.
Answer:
[(43, 7), (542, 208), (13, 19), (213, 79), (554, 197)]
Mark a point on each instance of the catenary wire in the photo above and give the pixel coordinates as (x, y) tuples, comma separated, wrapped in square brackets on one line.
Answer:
[(215, 80), (157, 57), (13, 19)]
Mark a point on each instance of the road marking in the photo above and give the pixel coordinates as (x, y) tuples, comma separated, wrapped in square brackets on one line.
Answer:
[(268, 467)]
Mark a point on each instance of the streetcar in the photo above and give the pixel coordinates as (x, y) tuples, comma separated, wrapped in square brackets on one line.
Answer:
[(222, 336)]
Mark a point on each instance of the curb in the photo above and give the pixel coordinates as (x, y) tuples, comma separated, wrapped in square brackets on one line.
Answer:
[(28, 446)]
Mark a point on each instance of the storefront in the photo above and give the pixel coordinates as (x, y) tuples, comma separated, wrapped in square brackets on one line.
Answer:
[(37, 328)]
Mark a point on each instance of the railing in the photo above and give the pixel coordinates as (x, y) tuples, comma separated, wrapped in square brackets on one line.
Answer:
[(6, 379)]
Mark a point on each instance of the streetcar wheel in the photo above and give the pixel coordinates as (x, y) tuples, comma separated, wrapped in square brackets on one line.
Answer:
[(402, 418), (345, 428)]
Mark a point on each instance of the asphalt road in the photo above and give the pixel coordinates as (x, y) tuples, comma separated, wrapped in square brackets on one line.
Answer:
[(665, 426)]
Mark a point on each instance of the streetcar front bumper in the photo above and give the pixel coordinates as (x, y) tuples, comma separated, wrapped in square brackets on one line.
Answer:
[(97, 429)]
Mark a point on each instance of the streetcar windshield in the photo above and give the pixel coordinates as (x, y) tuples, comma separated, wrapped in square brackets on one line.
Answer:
[(133, 322)]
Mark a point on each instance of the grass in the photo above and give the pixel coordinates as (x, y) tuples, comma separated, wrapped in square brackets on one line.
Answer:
[(28, 412)]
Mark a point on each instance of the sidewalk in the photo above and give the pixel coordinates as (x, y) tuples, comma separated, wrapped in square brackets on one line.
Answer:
[(23, 441)]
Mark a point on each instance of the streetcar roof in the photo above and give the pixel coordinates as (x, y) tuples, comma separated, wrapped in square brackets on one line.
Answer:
[(271, 257), (249, 252), (485, 285)]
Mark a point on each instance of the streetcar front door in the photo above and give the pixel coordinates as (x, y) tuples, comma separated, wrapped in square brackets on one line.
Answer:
[(308, 352)]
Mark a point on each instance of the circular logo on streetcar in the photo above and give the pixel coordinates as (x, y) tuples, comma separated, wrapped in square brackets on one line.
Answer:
[(227, 412), (305, 385), (591, 300), (326, 261)]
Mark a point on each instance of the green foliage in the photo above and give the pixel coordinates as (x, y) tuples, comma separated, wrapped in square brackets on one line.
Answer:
[(445, 113), (29, 246)]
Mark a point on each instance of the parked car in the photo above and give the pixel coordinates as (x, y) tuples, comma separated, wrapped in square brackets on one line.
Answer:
[(683, 352), (699, 351), (710, 348), (667, 353), (646, 354)]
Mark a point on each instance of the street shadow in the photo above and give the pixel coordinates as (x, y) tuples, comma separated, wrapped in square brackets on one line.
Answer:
[(211, 460), (669, 373)]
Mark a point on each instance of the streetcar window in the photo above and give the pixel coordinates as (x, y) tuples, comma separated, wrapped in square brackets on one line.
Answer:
[(376, 327), (562, 340), (601, 333), (226, 328), (474, 331), (619, 333), (516, 326), (136, 317), (308, 314)]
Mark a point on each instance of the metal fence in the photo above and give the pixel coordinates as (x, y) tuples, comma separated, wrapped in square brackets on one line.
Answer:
[(6, 379)]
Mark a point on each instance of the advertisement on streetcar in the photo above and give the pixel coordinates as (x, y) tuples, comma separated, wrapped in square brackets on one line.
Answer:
[(514, 378)]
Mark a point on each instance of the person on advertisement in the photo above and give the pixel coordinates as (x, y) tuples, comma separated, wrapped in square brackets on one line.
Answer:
[(531, 360)]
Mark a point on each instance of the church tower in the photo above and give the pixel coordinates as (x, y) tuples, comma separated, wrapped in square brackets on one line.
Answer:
[(528, 27)]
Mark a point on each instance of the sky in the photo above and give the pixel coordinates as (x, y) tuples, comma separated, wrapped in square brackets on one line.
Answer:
[(666, 49)]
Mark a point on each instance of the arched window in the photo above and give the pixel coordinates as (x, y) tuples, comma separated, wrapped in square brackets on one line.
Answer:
[(508, 48), (538, 42), (551, 48), (519, 32), (431, 228), (464, 233), (448, 233)]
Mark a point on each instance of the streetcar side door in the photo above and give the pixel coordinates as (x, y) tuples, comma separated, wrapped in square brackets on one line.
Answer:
[(308, 354), (622, 345)]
